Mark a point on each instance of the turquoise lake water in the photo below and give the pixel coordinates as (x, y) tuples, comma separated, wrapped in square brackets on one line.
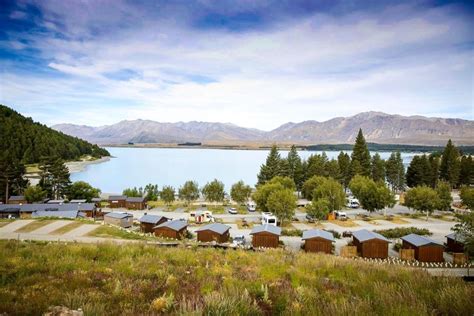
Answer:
[(170, 166)]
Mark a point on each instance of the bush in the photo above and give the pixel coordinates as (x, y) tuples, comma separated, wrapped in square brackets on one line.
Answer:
[(336, 234), (398, 232), (292, 232), (397, 246)]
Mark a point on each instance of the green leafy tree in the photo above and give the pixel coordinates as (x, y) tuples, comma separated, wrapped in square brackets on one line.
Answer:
[(34, 194), (395, 172), (261, 194), (286, 182), (450, 165), (360, 158), (82, 190), (344, 162), (296, 167), (373, 196), (378, 168), (133, 192), (151, 192), (167, 194), (282, 203), (272, 166), (189, 192), (422, 199), (465, 228), (318, 209), (310, 185), (240, 192), (213, 191), (444, 194), (467, 197), (331, 191)]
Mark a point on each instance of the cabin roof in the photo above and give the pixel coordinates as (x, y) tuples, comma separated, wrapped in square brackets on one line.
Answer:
[(457, 237), (117, 197), (151, 219), (55, 202), (96, 199), (176, 225), (118, 215), (60, 214), (364, 235), (5, 208), (135, 199), (266, 228), (78, 201), (17, 198), (215, 227), (417, 240), (317, 233)]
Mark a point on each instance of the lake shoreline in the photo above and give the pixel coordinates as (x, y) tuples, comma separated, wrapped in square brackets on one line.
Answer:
[(79, 166)]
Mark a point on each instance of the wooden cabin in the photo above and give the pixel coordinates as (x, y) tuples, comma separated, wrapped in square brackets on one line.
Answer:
[(266, 236), (455, 243), (96, 201), (426, 249), (9, 211), (135, 203), (17, 199), (90, 209), (117, 201), (148, 222), (124, 220), (172, 229), (317, 240), (370, 244), (214, 232)]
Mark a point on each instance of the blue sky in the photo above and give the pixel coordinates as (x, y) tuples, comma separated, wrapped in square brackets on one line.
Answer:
[(253, 63)]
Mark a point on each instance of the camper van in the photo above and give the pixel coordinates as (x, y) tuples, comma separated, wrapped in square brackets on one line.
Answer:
[(251, 207), (269, 219), (201, 217), (353, 203)]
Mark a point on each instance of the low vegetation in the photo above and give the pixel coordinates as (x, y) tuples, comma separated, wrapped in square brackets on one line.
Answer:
[(67, 228), (403, 231), (108, 279), (28, 228), (106, 231), (292, 232)]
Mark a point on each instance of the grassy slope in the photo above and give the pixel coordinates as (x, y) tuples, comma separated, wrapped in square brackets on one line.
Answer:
[(137, 279)]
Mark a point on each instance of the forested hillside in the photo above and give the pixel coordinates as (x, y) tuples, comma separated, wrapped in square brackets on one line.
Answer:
[(24, 140)]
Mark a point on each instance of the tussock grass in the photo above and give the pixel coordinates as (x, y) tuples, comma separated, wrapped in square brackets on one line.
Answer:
[(34, 226), (107, 279), (346, 223), (106, 231)]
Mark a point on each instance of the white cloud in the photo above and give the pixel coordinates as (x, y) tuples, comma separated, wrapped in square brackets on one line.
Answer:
[(316, 68)]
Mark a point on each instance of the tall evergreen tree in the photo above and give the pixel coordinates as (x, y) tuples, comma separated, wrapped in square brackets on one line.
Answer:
[(317, 165), (344, 161), (296, 167), (11, 177), (466, 174), (433, 177), (450, 165), (395, 171), (271, 168), (378, 168), (360, 154), (55, 178)]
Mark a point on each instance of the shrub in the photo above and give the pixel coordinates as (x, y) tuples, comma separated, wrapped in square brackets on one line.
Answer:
[(397, 246), (292, 232), (398, 232), (336, 234)]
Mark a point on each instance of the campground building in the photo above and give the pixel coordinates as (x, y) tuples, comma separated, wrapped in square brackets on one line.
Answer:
[(135, 203), (455, 243), (370, 244), (117, 201), (426, 249), (124, 220), (17, 199), (176, 229), (266, 236), (148, 222), (317, 240), (214, 232)]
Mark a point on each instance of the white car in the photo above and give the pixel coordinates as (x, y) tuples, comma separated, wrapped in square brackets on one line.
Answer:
[(251, 207), (232, 210), (239, 240), (340, 215)]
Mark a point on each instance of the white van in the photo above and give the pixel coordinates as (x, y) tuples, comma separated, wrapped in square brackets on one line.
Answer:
[(353, 203), (340, 215), (251, 206), (269, 219)]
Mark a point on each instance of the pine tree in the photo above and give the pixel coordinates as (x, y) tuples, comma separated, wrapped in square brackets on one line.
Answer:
[(466, 174), (361, 154), (450, 164), (55, 178), (296, 167), (11, 176), (395, 171), (344, 162), (378, 168), (271, 168)]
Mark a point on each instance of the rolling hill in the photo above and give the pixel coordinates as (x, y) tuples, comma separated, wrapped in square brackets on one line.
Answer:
[(378, 128)]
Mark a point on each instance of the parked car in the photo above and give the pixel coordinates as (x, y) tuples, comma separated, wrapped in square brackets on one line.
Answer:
[(309, 218), (251, 207), (239, 240), (232, 210), (353, 203), (341, 215)]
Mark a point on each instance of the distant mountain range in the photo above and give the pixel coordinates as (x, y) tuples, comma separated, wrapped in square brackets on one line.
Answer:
[(377, 127)]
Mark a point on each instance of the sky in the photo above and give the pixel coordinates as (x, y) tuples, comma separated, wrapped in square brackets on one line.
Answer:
[(254, 63)]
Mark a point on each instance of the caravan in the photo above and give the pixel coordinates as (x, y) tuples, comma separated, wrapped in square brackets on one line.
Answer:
[(269, 219)]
